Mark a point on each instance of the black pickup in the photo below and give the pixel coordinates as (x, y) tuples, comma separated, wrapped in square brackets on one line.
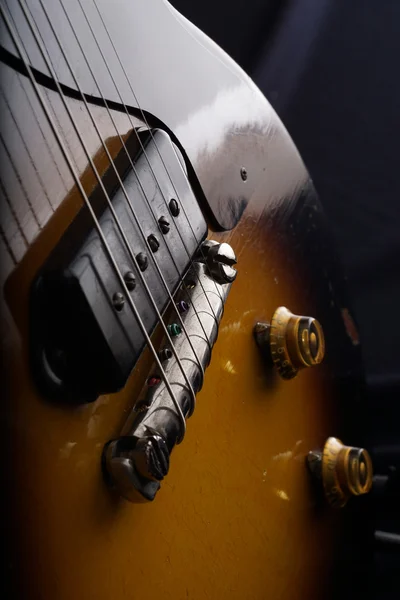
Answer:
[(85, 339)]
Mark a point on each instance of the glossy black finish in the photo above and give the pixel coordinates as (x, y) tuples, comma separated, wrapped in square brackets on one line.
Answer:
[(223, 126), (85, 336), (219, 117)]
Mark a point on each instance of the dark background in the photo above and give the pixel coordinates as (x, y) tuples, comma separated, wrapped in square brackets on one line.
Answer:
[(331, 70)]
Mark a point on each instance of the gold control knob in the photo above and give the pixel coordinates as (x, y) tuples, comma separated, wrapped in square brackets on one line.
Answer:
[(295, 342), (345, 471)]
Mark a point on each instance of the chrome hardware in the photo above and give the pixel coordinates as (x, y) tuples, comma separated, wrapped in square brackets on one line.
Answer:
[(134, 461), (150, 457), (219, 259), (139, 459)]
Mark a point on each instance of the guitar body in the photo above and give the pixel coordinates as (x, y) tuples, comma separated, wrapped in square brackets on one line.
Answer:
[(237, 516)]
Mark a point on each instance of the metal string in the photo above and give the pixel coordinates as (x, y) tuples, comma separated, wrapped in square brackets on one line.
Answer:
[(26, 148), (142, 146), (12, 210), (8, 247), (45, 140), (199, 365), (120, 228), (115, 216), (145, 121), (19, 179), (124, 146), (79, 185), (53, 110)]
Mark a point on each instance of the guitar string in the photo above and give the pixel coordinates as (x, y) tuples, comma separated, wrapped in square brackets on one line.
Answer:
[(26, 148), (146, 123), (12, 208), (55, 115), (213, 316), (122, 141), (44, 138), (142, 147), (21, 183), (131, 161), (7, 242), (197, 362), (24, 59), (8, 248), (150, 132), (43, 52)]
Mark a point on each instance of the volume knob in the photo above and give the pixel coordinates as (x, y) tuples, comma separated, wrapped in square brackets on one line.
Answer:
[(345, 471), (295, 341)]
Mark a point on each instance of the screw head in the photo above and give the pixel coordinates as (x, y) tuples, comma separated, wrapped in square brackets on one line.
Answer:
[(153, 243), (130, 280), (164, 225), (118, 301), (142, 261), (174, 207), (243, 173), (220, 260), (151, 457)]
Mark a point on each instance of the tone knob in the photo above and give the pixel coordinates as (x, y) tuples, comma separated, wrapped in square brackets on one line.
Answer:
[(345, 471), (295, 342)]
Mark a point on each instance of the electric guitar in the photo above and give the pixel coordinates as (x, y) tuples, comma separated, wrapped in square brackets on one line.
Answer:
[(182, 383)]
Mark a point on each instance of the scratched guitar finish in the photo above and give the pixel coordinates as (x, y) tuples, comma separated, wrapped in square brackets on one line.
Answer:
[(84, 82)]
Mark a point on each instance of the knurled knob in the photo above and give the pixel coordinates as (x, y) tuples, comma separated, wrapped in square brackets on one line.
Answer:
[(345, 471), (296, 342)]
